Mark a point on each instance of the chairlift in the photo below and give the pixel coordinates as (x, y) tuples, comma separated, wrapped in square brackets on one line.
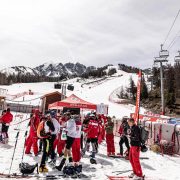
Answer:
[(177, 58)]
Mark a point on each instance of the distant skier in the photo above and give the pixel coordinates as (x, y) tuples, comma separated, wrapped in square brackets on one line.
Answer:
[(123, 136), (44, 133), (109, 127), (6, 120), (33, 139), (135, 141)]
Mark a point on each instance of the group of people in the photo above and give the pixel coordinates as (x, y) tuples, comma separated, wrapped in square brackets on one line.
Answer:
[(69, 136), (65, 135), (5, 120)]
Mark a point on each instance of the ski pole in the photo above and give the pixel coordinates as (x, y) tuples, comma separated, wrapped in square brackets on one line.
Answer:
[(25, 135), (14, 152)]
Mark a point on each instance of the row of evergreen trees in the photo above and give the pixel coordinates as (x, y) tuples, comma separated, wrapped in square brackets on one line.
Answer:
[(27, 78), (152, 94), (130, 91), (171, 83)]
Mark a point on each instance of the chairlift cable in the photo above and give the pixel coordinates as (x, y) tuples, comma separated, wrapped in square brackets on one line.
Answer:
[(171, 27)]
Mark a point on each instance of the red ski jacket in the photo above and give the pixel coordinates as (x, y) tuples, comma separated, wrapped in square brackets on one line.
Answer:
[(92, 129), (34, 122), (7, 118)]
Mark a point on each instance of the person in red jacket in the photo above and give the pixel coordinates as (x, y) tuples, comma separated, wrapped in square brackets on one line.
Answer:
[(92, 135), (33, 139), (6, 120)]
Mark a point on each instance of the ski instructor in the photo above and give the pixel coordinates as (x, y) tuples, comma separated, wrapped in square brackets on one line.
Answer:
[(135, 141)]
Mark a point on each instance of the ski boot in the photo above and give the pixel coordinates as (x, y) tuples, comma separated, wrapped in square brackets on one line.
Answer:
[(93, 161), (131, 175), (59, 168), (70, 160), (138, 178), (43, 169)]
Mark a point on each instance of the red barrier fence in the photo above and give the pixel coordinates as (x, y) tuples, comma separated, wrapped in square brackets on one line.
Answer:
[(158, 131)]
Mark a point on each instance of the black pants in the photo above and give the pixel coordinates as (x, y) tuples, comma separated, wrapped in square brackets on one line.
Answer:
[(123, 140), (51, 146), (40, 144), (82, 141), (94, 143), (45, 151), (5, 130), (69, 142)]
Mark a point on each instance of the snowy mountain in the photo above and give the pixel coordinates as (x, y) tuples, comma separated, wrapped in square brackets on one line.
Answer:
[(19, 70), (54, 70), (50, 69)]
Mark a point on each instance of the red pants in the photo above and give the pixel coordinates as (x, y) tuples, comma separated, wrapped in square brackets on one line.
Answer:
[(76, 150), (32, 141), (60, 144), (103, 133), (134, 160), (110, 143)]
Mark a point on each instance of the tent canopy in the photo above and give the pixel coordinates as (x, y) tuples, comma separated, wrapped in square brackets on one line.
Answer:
[(72, 102)]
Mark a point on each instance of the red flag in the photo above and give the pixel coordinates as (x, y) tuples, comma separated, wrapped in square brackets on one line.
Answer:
[(136, 115)]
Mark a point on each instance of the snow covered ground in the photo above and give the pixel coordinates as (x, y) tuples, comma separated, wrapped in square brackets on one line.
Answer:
[(157, 166)]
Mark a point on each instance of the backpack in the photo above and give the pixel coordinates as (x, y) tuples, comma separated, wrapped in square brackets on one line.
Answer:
[(144, 135), (26, 168), (69, 170)]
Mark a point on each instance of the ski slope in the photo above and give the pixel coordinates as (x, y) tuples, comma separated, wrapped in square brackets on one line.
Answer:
[(94, 92)]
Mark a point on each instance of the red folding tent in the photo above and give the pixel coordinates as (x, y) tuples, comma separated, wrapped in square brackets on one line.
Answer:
[(73, 102)]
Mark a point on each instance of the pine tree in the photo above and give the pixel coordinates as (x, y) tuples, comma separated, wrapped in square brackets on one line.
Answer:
[(144, 89), (132, 89)]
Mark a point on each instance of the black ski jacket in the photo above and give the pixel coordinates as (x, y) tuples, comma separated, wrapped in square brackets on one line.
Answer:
[(135, 139)]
